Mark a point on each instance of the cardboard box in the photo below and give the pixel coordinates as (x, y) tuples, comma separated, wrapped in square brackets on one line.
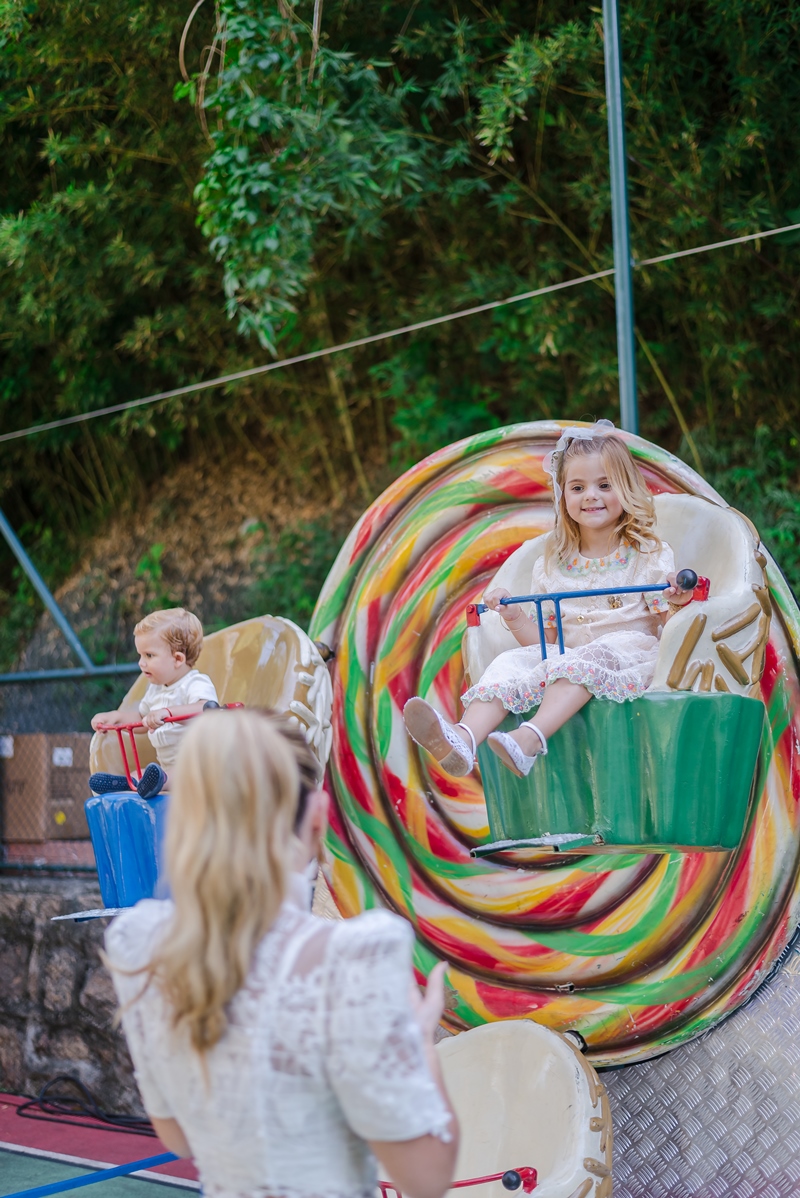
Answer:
[(44, 782)]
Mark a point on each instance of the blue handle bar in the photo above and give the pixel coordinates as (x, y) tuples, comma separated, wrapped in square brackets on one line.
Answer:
[(556, 598)]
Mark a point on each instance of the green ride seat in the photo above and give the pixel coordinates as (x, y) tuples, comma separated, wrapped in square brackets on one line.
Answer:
[(663, 772)]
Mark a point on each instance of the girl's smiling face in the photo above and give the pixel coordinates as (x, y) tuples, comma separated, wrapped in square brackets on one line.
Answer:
[(588, 495)]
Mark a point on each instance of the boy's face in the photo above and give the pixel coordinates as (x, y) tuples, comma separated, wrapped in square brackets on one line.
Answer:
[(157, 661)]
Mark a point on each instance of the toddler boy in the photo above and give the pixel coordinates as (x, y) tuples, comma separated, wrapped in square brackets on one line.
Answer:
[(168, 643)]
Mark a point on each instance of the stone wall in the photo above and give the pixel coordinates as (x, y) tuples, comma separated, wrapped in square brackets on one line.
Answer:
[(57, 1003)]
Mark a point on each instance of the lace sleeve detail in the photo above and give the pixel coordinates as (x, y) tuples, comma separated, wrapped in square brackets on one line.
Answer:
[(541, 584), (129, 942), (658, 566), (375, 1056)]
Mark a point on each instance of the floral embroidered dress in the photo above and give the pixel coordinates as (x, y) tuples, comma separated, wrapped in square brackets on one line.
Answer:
[(611, 641)]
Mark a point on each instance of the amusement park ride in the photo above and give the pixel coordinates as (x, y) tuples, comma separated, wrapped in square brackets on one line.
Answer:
[(635, 890)]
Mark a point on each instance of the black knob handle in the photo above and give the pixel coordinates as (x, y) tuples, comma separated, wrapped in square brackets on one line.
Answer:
[(511, 1179), (686, 580), (211, 705)]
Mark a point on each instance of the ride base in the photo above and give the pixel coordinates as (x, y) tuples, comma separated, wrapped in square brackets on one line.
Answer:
[(664, 772)]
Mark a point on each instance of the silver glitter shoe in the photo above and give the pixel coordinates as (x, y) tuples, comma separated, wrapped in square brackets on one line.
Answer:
[(441, 740)]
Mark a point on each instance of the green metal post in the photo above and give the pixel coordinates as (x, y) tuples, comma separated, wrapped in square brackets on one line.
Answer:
[(623, 283)]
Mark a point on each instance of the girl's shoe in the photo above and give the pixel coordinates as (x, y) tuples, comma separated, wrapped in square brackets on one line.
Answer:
[(513, 758), (152, 781), (429, 730), (107, 784)]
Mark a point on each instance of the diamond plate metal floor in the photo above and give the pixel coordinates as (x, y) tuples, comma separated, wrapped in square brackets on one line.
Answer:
[(720, 1117)]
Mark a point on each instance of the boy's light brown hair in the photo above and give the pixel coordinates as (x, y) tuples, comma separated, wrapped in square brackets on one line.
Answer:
[(180, 628)]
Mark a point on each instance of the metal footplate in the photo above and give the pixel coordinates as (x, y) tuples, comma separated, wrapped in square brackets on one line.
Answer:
[(83, 916), (558, 842)]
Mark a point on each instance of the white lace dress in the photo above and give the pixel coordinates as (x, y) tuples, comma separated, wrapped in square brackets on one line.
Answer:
[(611, 642), (322, 1053)]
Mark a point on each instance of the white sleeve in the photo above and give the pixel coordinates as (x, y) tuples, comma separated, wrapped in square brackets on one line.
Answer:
[(200, 689), (658, 566), (540, 585), (128, 941), (374, 1054)]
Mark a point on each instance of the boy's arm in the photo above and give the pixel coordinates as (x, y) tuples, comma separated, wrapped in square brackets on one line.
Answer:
[(114, 719), (155, 718)]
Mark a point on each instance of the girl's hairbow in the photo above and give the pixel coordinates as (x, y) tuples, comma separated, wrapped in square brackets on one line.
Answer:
[(601, 428)]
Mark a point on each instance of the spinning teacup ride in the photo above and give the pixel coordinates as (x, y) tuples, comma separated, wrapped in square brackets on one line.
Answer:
[(641, 882)]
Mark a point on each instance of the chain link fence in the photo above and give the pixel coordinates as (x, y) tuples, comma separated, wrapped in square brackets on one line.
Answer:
[(45, 734)]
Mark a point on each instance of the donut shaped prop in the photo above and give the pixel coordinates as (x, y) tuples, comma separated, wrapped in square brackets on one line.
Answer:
[(638, 952)]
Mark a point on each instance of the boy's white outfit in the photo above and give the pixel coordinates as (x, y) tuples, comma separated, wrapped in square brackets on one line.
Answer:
[(194, 687)]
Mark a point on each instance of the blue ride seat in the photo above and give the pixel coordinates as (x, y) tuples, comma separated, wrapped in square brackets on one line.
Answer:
[(127, 836)]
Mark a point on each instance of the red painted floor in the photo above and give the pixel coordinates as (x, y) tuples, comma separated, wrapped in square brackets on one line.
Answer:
[(91, 1144)]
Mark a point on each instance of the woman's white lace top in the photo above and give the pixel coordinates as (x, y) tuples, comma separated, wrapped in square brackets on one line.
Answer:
[(322, 1053)]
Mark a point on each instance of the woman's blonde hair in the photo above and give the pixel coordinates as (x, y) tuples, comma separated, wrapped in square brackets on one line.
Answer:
[(637, 522), (228, 848)]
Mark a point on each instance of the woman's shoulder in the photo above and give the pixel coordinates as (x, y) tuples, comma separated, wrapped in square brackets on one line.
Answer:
[(130, 937), (375, 935)]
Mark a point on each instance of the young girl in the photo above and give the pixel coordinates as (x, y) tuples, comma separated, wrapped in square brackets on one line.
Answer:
[(604, 536)]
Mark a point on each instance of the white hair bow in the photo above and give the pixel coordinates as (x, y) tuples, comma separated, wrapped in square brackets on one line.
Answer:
[(601, 428)]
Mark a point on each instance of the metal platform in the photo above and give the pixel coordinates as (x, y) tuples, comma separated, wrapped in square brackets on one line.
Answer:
[(719, 1117)]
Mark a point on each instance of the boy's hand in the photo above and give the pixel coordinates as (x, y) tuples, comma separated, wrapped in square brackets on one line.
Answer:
[(510, 612), (111, 719), (673, 594), (154, 719)]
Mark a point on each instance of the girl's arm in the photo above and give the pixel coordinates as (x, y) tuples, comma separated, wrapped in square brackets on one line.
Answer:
[(524, 629)]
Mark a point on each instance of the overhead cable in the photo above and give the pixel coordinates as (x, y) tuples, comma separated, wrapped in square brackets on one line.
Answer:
[(282, 363)]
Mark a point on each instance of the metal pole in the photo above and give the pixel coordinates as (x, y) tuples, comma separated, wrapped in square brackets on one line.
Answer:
[(44, 594), (623, 283)]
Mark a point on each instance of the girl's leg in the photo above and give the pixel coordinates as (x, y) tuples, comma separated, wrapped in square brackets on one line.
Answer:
[(562, 700), (482, 717)]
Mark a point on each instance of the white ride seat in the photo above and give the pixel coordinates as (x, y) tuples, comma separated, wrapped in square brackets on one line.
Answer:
[(526, 1098), (717, 644)]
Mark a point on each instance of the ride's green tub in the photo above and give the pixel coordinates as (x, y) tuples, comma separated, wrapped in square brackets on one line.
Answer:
[(667, 771)]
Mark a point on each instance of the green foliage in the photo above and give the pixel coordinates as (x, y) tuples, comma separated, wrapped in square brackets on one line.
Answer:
[(300, 143), (402, 161), (293, 565)]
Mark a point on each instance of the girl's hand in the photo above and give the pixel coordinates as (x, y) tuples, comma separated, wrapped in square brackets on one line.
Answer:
[(154, 719), (428, 1007), (674, 594), (509, 611)]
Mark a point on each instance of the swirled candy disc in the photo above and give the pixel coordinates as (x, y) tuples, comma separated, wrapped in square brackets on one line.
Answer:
[(637, 952)]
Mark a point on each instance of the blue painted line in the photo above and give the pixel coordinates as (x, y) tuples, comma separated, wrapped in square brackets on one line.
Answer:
[(90, 1179)]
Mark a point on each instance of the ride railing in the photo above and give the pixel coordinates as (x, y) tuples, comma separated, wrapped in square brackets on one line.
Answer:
[(686, 580), (524, 1178), (132, 729)]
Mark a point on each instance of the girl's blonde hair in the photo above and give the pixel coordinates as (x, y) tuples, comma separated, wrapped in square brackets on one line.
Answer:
[(637, 522), (228, 850)]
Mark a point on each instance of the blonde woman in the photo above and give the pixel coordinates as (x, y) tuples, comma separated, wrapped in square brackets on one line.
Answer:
[(282, 1051), (604, 537)]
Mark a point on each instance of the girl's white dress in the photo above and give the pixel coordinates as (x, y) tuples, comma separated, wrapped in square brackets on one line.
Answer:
[(611, 642)]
